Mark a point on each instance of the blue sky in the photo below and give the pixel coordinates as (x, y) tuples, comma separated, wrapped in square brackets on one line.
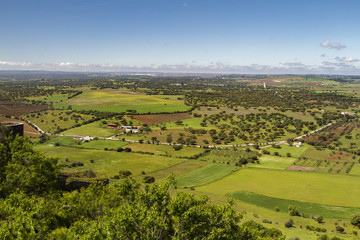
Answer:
[(230, 36)]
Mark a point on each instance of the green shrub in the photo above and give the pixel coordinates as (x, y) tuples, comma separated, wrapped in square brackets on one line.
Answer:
[(289, 223)]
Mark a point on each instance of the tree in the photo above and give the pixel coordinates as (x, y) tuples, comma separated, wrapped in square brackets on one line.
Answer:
[(24, 169), (293, 211), (289, 223), (355, 220)]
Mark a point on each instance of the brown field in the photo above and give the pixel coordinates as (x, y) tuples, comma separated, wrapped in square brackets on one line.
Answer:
[(303, 169), (28, 130), (19, 110), (161, 118)]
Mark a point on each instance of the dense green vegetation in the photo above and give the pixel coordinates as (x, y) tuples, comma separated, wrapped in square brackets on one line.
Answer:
[(33, 209)]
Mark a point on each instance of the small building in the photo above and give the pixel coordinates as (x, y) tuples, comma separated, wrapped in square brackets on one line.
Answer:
[(112, 125), (87, 138), (297, 144), (16, 128)]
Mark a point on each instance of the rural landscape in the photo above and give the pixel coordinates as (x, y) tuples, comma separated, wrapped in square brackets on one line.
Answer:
[(284, 149), (179, 120)]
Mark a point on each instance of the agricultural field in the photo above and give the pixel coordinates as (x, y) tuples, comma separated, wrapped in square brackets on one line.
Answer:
[(321, 188), (103, 144), (310, 209), (54, 121), (165, 150), (94, 129), (54, 98), (273, 162), (120, 102), (18, 110), (179, 169), (210, 173), (107, 163)]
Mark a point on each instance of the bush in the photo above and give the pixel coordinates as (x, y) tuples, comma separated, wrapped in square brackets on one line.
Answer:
[(127, 149), (149, 179), (265, 152), (320, 219), (355, 220), (266, 221), (289, 223), (124, 173), (340, 229), (177, 147), (75, 164), (293, 211), (89, 174)]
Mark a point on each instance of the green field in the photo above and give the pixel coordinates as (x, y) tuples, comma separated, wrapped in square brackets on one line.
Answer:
[(120, 102), (107, 163), (274, 162), (204, 175), (55, 120), (355, 170), (102, 144), (66, 141), (55, 98), (329, 189), (95, 129), (165, 150), (178, 170), (294, 151), (327, 211)]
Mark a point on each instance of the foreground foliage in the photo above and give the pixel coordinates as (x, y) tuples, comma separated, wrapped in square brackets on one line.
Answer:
[(124, 210), (32, 208)]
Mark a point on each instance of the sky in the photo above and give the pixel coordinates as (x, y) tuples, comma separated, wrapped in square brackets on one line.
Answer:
[(210, 36)]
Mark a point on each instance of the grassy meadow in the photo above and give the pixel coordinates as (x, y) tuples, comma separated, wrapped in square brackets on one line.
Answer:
[(107, 163), (94, 129), (328, 189), (210, 173), (165, 150), (52, 121), (119, 102)]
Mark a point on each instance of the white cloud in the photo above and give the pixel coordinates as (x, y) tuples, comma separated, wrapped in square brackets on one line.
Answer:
[(21, 64), (294, 64), (347, 59), (329, 44)]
